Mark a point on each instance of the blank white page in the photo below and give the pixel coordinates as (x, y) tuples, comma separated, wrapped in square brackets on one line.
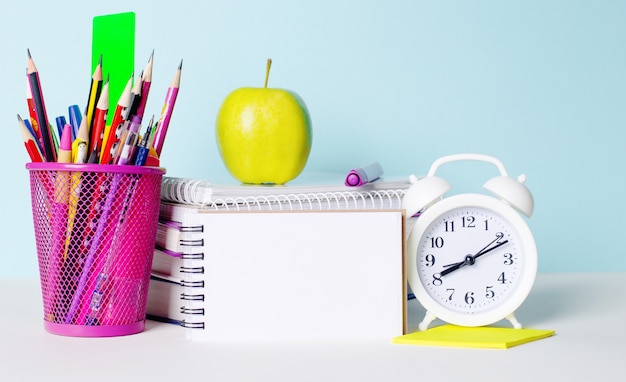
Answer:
[(302, 275)]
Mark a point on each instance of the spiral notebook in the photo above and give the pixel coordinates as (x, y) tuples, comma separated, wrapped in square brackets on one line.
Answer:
[(328, 194), (288, 275)]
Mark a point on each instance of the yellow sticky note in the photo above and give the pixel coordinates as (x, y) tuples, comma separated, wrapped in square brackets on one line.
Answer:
[(473, 337)]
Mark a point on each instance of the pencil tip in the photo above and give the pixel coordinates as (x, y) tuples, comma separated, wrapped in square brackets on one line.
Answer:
[(100, 60), (181, 64), (28, 51), (19, 118)]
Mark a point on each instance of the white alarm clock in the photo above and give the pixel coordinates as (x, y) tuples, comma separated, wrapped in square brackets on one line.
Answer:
[(471, 258)]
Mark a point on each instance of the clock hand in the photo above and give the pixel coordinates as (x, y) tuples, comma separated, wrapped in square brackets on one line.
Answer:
[(498, 236), (470, 260), (454, 267), (479, 254)]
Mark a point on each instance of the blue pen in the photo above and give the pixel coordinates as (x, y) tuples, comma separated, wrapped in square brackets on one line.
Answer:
[(141, 155), (143, 148), (76, 118), (61, 122)]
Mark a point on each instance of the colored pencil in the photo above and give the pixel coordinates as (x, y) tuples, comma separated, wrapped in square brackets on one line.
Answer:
[(112, 133), (135, 99), (29, 142), (49, 150), (99, 120), (146, 81), (166, 112), (32, 112), (94, 93)]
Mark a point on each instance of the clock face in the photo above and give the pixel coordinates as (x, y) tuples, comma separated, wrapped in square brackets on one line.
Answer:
[(473, 260)]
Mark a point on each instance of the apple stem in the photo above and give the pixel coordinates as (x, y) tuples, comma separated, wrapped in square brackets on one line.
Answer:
[(267, 71)]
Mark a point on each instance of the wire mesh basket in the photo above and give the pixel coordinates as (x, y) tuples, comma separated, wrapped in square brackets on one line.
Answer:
[(95, 230)]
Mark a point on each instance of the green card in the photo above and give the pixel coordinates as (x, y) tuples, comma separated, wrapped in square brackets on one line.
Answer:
[(114, 38)]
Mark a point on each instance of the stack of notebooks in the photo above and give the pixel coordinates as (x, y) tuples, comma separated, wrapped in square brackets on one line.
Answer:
[(281, 262)]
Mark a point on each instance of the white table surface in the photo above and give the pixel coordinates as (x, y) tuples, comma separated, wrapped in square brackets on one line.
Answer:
[(588, 312)]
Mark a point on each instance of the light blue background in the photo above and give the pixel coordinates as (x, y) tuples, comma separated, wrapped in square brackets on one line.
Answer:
[(539, 84)]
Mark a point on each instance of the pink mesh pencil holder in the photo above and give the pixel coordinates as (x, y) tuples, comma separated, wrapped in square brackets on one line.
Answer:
[(95, 230)]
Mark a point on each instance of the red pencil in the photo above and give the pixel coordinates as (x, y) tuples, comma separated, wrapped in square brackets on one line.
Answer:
[(29, 142), (99, 121)]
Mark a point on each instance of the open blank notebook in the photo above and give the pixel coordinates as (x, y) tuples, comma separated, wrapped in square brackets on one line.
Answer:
[(295, 275)]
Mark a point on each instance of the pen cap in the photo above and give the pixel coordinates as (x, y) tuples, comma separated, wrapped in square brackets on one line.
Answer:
[(363, 175)]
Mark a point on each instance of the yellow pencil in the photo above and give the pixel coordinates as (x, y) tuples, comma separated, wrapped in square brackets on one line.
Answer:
[(94, 94)]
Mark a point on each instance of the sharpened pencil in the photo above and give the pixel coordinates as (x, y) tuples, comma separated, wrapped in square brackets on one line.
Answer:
[(146, 81), (99, 120), (29, 142), (168, 108), (49, 149), (94, 93), (113, 132)]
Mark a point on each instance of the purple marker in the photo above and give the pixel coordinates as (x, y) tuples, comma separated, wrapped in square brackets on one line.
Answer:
[(363, 175)]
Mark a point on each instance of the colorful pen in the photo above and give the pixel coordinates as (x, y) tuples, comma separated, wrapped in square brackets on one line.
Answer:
[(143, 148), (65, 146), (75, 119), (363, 175), (60, 121)]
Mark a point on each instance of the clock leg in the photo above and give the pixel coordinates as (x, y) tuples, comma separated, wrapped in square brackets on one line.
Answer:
[(428, 318), (516, 324)]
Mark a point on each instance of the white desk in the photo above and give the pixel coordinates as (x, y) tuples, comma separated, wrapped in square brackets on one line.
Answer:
[(588, 312)]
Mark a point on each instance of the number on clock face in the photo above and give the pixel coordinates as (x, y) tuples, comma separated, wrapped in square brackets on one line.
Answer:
[(469, 259)]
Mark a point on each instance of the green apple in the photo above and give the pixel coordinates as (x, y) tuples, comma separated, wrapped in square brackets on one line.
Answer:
[(264, 134)]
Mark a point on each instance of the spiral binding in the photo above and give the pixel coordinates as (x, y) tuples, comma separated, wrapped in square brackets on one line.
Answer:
[(199, 193), (196, 270), (192, 256), (192, 311), (192, 297), (189, 246), (187, 191), (192, 325)]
